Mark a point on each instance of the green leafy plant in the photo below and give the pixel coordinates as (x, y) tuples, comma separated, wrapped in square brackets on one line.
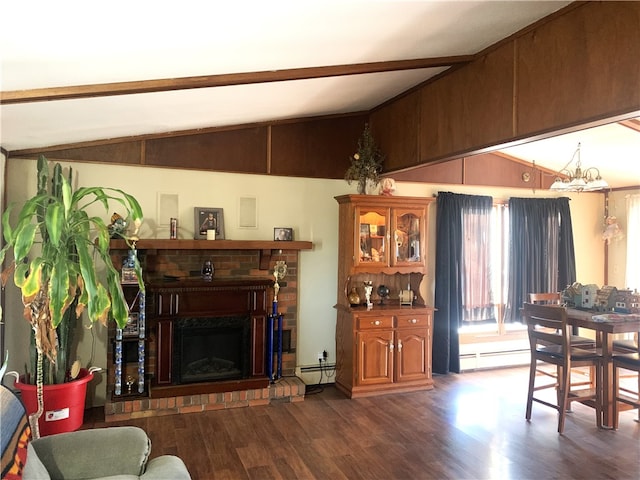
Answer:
[(366, 163), (58, 248)]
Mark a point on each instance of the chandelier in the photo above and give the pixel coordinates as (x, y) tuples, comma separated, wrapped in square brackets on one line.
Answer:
[(580, 180)]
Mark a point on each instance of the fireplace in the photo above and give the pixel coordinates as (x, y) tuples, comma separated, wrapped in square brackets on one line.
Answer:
[(207, 336), (242, 287), (211, 349)]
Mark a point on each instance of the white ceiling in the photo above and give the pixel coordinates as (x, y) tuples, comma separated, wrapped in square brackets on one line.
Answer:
[(46, 44)]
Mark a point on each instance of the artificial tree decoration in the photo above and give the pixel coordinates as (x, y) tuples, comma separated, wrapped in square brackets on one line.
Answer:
[(57, 248), (366, 163)]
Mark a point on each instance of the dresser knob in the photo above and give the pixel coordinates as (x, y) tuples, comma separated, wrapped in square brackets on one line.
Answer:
[(377, 322), (413, 320)]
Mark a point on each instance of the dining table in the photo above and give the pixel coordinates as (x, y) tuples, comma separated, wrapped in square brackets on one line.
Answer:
[(605, 325)]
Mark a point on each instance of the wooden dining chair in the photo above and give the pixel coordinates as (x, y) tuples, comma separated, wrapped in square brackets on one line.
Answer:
[(555, 298), (627, 345), (623, 394), (549, 340), (546, 298)]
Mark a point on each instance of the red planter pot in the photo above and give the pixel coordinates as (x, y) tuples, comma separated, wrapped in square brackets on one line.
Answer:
[(63, 404)]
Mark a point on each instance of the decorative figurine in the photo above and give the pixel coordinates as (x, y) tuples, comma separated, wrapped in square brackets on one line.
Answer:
[(207, 271), (387, 187), (368, 288), (118, 226), (130, 382), (612, 230), (279, 272)]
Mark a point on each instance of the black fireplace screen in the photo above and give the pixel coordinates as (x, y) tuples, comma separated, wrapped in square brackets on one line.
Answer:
[(211, 349)]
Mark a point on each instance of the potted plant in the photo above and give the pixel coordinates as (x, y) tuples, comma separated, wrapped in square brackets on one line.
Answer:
[(58, 247), (366, 163)]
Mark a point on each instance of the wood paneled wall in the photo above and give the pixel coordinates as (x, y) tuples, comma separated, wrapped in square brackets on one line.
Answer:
[(489, 169), (578, 66), (318, 148), (315, 148), (243, 151)]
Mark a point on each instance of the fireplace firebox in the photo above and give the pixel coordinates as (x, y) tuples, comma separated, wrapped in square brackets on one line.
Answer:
[(211, 349)]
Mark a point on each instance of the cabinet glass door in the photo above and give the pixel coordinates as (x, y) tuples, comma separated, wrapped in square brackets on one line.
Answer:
[(372, 236), (408, 237)]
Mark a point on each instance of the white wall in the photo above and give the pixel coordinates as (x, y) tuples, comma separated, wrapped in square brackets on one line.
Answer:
[(3, 160), (307, 205), (618, 246)]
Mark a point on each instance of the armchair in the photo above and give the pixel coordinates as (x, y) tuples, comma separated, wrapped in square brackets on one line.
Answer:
[(111, 452)]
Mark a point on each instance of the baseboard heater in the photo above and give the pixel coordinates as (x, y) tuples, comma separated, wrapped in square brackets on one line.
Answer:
[(494, 354)]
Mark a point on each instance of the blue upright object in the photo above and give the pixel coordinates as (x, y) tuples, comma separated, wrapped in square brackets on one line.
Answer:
[(270, 347), (279, 371), (270, 324)]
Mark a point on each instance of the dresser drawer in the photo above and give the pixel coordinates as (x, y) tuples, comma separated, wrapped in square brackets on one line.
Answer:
[(417, 320), (375, 322)]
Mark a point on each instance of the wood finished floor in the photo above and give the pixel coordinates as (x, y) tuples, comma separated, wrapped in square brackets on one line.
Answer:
[(471, 426)]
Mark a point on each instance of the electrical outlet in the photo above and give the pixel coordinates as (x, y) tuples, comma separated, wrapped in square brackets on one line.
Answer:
[(325, 355), (320, 356)]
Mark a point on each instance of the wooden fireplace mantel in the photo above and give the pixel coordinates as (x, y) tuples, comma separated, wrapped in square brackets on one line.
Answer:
[(265, 247), (165, 244)]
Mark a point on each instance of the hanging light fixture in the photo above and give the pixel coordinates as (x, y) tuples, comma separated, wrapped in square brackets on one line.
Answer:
[(579, 180)]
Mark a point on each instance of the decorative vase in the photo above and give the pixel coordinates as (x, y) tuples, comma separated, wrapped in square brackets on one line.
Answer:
[(362, 186), (367, 186), (354, 298)]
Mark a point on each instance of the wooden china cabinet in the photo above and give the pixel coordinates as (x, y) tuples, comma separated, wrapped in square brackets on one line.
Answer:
[(384, 347)]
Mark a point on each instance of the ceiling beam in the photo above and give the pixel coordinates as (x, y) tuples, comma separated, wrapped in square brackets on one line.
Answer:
[(632, 123), (222, 80)]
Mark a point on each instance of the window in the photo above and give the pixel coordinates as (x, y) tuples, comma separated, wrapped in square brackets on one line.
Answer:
[(633, 240), (484, 264)]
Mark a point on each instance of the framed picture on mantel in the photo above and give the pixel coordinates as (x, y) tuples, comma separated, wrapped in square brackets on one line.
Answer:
[(284, 234), (205, 218)]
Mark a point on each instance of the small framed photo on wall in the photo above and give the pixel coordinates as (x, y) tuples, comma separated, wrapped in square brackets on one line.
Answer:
[(284, 234), (206, 218)]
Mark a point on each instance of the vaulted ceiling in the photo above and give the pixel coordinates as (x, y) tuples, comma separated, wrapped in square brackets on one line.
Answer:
[(78, 72)]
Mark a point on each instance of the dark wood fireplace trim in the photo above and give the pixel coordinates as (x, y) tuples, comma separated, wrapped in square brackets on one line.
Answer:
[(170, 301)]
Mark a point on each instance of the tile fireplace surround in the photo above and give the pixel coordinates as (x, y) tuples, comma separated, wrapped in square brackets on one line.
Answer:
[(232, 260)]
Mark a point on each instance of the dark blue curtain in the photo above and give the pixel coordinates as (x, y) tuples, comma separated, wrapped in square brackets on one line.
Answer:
[(541, 251), (448, 290)]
